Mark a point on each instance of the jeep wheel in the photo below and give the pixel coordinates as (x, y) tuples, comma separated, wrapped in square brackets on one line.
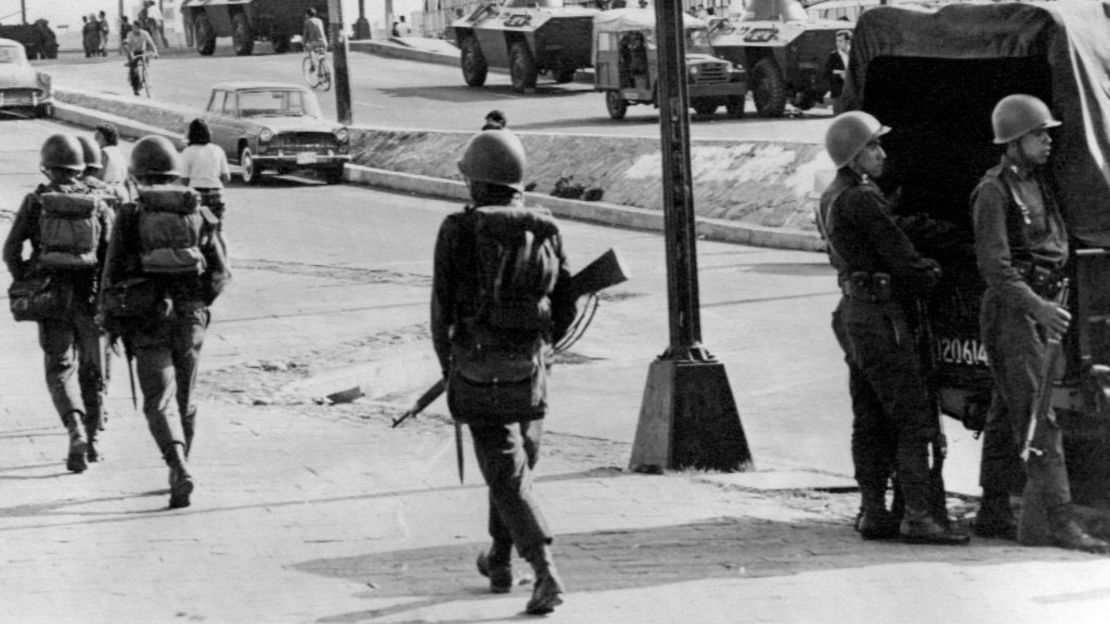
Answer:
[(768, 90), (616, 104), (522, 67), (735, 106), (242, 39), (203, 35), (249, 167), (474, 66), (565, 72), (280, 43), (705, 108)]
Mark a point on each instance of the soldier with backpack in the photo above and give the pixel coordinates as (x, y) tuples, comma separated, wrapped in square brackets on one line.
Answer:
[(68, 228), (500, 299), (165, 266)]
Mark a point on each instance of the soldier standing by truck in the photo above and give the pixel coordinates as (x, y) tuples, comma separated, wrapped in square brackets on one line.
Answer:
[(1021, 247), (881, 276)]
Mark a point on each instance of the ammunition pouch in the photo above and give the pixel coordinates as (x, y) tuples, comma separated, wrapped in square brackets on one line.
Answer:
[(864, 286), (39, 298), (133, 303), (493, 382), (1045, 281)]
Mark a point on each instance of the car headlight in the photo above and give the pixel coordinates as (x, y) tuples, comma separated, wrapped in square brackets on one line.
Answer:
[(342, 135), (266, 135)]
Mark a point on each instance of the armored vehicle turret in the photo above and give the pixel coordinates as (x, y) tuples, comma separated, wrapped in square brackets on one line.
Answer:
[(529, 37), (247, 21)]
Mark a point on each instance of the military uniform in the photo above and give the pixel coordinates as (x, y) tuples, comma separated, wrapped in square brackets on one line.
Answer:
[(71, 343), (881, 276)]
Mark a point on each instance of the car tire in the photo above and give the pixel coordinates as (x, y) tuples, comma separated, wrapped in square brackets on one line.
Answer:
[(616, 105), (203, 35), (44, 111), (249, 167), (242, 38), (474, 67), (522, 67), (333, 175), (768, 90)]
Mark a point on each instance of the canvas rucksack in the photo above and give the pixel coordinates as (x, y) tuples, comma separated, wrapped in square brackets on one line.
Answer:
[(69, 230), (171, 229)]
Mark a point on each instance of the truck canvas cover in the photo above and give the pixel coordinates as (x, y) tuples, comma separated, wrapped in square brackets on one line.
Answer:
[(959, 61)]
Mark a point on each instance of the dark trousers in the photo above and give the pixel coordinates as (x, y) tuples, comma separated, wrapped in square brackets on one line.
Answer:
[(1015, 350), (167, 354), (73, 349), (892, 418), (506, 455)]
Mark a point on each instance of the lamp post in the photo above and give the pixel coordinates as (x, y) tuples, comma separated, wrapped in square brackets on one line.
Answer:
[(362, 25), (688, 417)]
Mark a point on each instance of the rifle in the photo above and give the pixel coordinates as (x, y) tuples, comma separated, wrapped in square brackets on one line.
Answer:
[(130, 358), (938, 446), (606, 270), (1042, 400)]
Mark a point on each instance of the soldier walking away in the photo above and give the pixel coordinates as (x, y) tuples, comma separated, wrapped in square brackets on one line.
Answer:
[(495, 120), (500, 299), (881, 276), (170, 240), (68, 229), (1021, 247)]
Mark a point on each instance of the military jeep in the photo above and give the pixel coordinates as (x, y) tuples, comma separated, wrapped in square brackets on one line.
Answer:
[(247, 21), (529, 37), (935, 79)]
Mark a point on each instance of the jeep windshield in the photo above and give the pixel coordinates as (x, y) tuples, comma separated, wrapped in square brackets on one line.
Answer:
[(277, 103)]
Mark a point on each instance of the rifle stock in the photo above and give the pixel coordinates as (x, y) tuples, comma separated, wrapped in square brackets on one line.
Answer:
[(1042, 400)]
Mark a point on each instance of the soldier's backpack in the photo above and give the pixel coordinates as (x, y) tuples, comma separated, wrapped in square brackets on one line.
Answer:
[(69, 230), (171, 231)]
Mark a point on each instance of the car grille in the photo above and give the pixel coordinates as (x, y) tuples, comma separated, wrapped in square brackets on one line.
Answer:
[(305, 142), (709, 73), (21, 97)]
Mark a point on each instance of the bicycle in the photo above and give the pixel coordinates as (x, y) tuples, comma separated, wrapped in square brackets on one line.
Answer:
[(141, 79), (319, 79)]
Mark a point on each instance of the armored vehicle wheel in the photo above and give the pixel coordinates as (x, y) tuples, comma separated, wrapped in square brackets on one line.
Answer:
[(705, 108), (250, 168), (768, 90), (203, 35), (735, 106), (804, 100), (242, 39), (280, 43), (522, 67), (566, 71), (474, 66), (616, 104)]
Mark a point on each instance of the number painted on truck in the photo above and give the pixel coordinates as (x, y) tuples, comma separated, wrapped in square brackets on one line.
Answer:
[(760, 35), (965, 352), (518, 21)]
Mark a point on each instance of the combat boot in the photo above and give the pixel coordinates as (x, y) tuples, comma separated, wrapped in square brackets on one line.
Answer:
[(181, 482), (877, 524), (1065, 532), (497, 566), (547, 593), (919, 527), (995, 519), (92, 434), (78, 443), (189, 427)]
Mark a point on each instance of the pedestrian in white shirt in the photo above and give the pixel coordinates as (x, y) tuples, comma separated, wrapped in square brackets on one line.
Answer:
[(204, 167), (113, 171)]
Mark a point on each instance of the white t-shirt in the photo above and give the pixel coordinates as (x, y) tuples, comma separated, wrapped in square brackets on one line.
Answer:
[(203, 165)]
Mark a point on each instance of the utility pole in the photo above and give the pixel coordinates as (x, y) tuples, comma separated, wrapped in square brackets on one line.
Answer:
[(342, 76), (688, 417)]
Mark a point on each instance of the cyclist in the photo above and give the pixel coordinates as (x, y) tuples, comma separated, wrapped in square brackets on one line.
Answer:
[(137, 44), (314, 39)]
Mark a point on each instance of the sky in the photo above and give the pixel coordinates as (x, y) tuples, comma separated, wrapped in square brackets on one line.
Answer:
[(69, 12)]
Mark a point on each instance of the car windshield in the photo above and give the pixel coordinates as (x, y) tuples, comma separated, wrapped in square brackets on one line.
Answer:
[(277, 103), (11, 54), (697, 41)]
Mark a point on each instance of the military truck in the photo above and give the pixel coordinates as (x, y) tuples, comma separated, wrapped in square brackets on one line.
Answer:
[(935, 84), (783, 49), (247, 21), (38, 39), (529, 37)]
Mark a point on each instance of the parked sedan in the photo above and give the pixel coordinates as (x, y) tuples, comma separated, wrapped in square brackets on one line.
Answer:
[(272, 127), (22, 87)]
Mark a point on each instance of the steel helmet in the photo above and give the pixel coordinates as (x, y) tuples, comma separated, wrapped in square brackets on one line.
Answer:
[(90, 151), (62, 151), (155, 155), (496, 157), (849, 134), (1018, 114)]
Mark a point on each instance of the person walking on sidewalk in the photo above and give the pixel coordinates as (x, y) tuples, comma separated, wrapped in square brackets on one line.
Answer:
[(68, 229), (500, 299), (1018, 233), (881, 275), (113, 164), (205, 168), (171, 240)]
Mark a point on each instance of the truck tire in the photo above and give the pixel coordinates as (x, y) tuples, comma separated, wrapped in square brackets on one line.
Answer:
[(616, 104), (242, 38), (473, 62), (705, 108), (735, 106), (565, 72), (203, 35), (280, 43), (522, 67), (768, 90)]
